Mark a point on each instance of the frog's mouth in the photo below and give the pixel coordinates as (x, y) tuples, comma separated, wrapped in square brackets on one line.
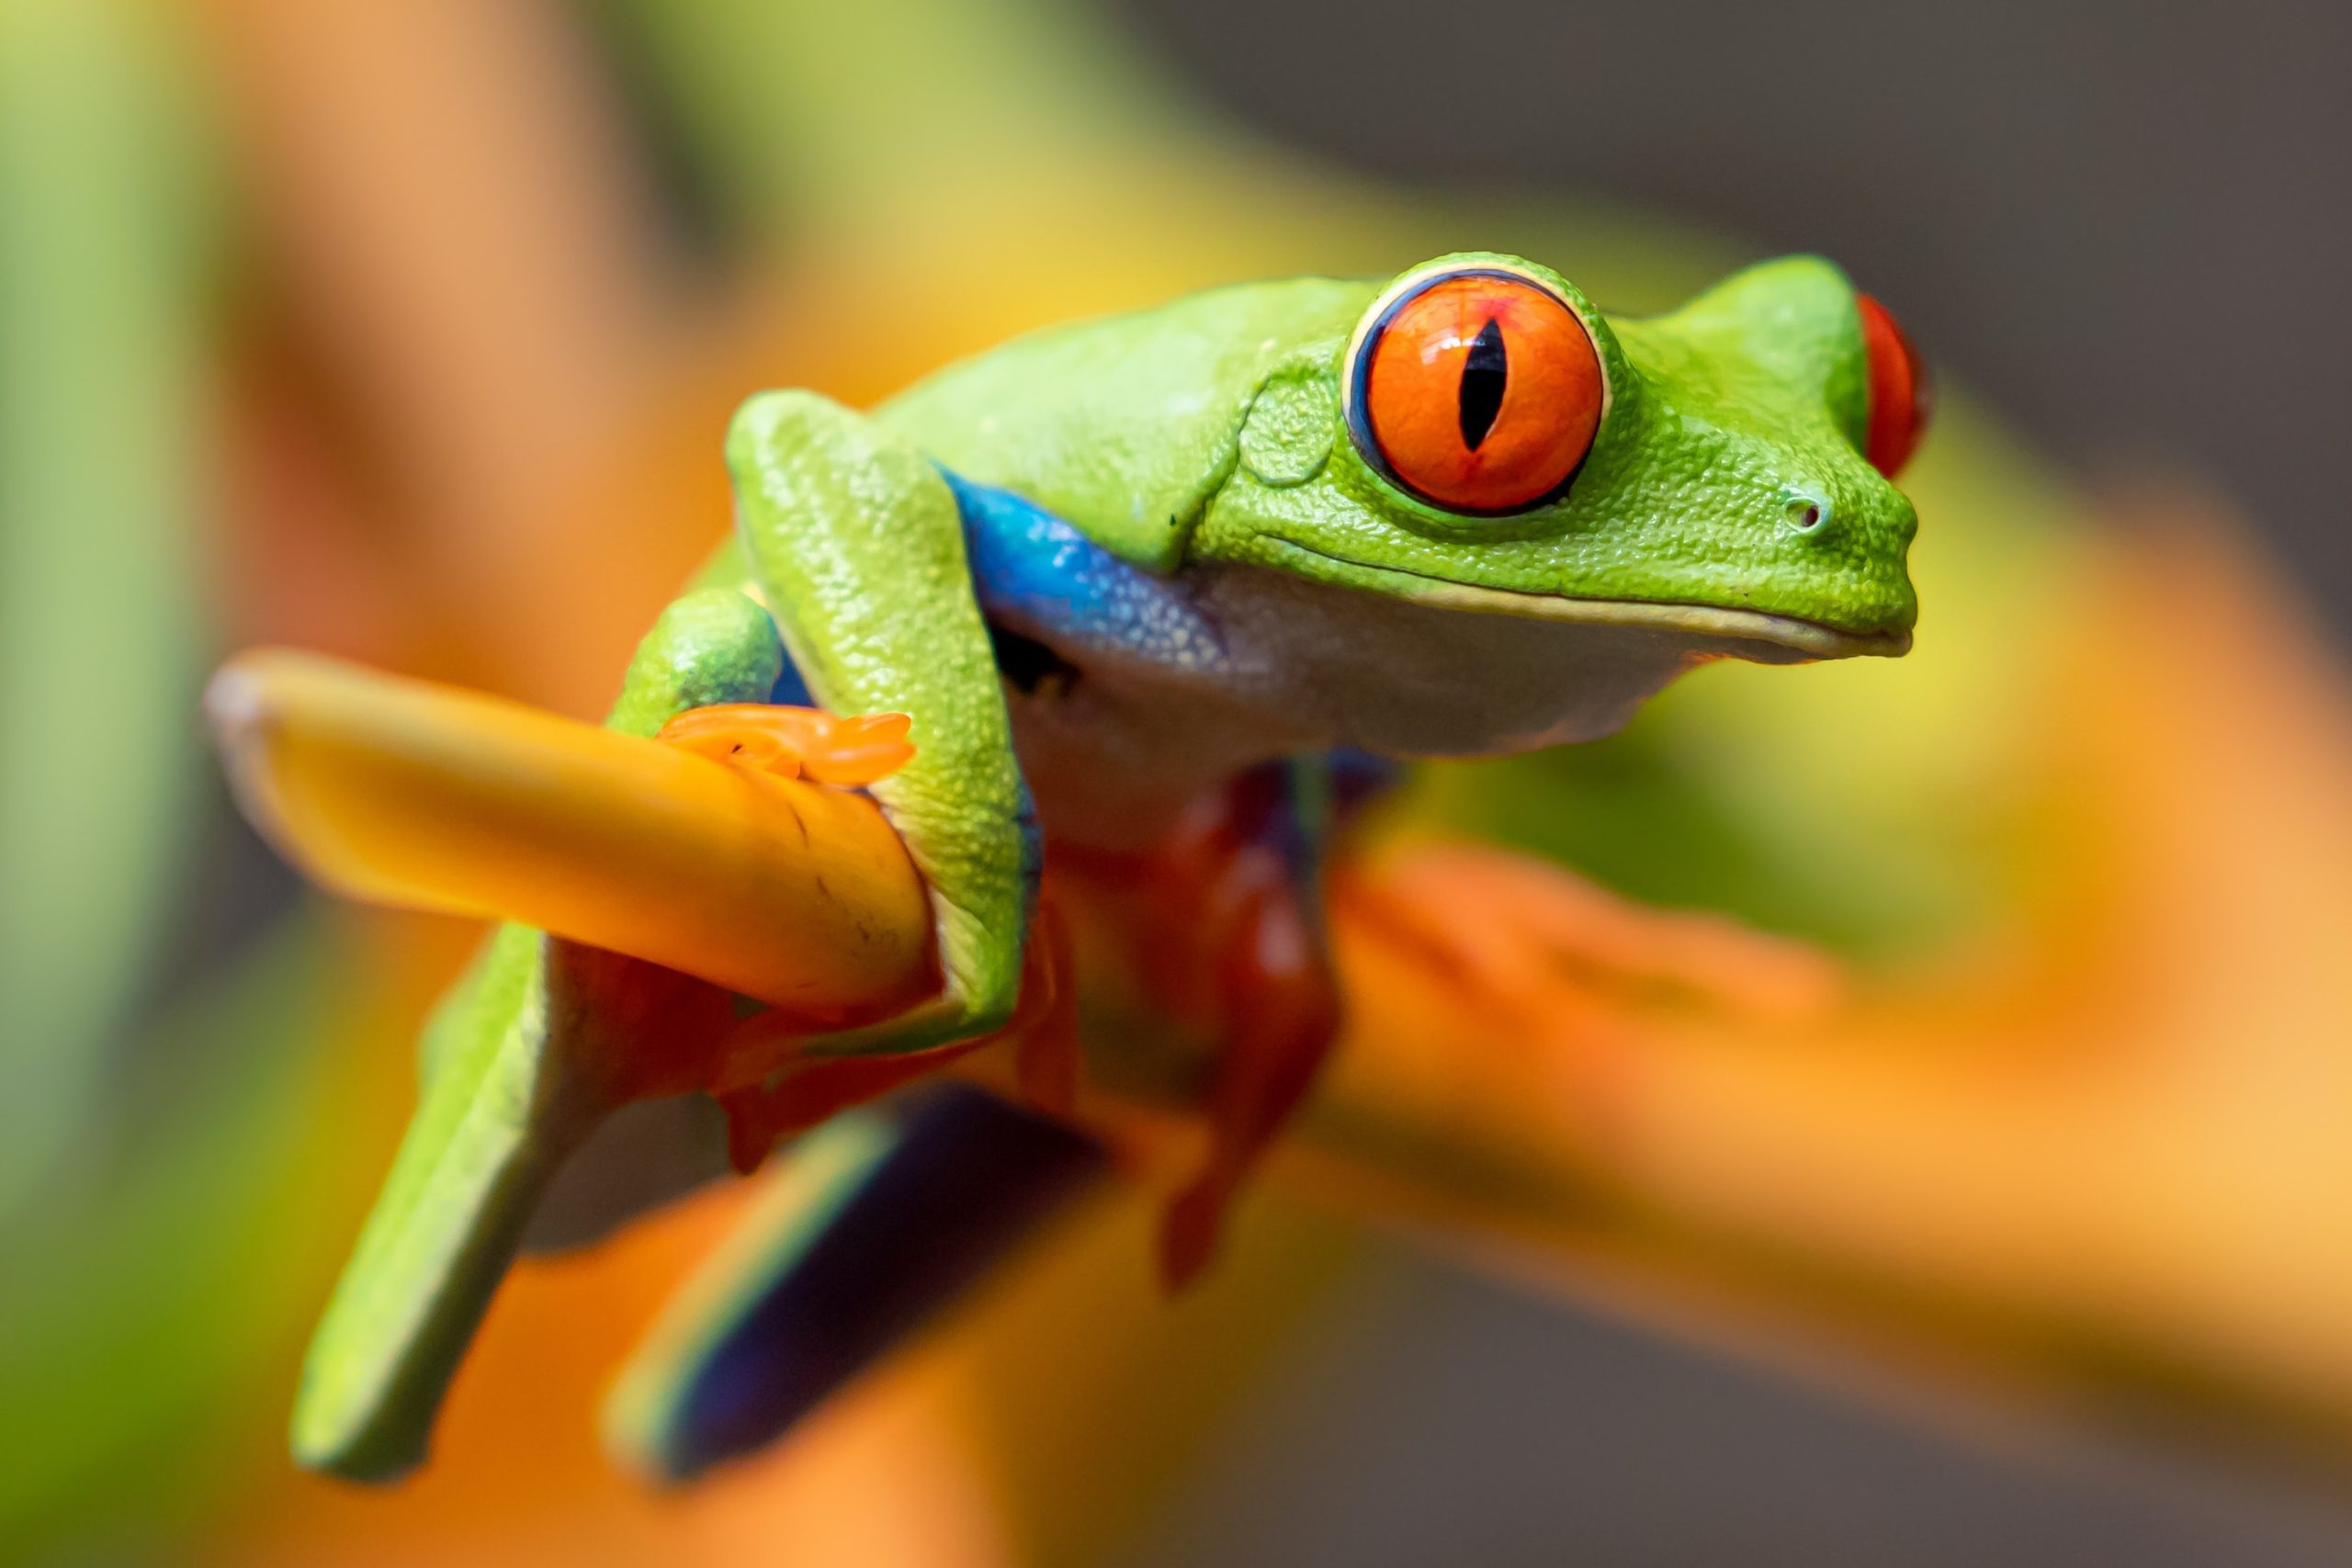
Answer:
[(1760, 635)]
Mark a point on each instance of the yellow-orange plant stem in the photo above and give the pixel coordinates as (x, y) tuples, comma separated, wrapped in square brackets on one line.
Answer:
[(422, 797)]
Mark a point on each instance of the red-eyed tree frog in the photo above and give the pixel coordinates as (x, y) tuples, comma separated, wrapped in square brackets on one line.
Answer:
[(1187, 577)]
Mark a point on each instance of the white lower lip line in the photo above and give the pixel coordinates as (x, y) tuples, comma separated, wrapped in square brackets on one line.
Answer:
[(1753, 625)]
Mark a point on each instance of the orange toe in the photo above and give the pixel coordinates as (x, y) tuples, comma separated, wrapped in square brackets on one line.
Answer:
[(795, 741)]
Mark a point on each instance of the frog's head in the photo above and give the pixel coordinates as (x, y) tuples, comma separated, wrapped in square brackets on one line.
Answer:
[(1494, 443)]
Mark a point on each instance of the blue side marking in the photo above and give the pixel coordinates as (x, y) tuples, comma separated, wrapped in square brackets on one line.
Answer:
[(966, 1179), (791, 689), (1296, 808), (1037, 575), (1359, 778)]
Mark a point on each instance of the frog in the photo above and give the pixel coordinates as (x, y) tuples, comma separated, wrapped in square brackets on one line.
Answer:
[(1182, 587)]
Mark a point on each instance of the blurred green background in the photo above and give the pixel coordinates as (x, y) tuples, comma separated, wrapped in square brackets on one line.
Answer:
[(406, 331)]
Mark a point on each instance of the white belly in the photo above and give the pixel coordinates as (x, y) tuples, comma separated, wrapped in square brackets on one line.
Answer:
[(1113, 753)]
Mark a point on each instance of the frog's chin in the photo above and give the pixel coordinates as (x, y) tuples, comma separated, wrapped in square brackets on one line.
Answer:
[(1755, 634)]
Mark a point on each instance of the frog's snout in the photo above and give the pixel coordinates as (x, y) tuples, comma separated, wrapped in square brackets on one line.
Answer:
[(1841, 554)]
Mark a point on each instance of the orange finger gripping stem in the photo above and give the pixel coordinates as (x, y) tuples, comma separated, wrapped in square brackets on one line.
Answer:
[(771, 1091), (794, 743)]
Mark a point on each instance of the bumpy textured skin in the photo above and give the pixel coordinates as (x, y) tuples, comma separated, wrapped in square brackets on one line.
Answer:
[(1170, 506), (1126, 427), (1070, 483), (711, 647), (858, 545), (1120, 563), (1724, 412)]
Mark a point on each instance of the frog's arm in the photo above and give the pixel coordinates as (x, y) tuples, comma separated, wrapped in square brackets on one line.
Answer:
[(515, 1073), (855, 539)]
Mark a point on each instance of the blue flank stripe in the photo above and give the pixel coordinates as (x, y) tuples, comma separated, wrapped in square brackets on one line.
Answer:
[(962, 1182), (1041, 577)]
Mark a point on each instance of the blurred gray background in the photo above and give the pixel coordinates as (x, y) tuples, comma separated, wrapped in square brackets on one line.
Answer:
[(2130, 227), (2129, 224)]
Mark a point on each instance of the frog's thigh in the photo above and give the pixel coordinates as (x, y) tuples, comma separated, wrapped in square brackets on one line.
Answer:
[(862, 1234)]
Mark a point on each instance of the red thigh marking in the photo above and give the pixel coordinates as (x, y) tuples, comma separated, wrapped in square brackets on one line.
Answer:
[(1281, 1011), (796, 1093)]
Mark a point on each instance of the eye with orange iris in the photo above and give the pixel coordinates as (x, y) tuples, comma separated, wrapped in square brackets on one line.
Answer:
[(1901, 395), (1478, 391)]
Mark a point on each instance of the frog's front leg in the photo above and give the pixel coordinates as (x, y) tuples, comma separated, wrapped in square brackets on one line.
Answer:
[(855, 541)]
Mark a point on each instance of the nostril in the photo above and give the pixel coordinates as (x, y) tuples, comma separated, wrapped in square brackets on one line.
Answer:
[(1807, 514)]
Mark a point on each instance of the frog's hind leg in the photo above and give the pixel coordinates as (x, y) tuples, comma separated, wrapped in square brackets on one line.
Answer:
[(1282, 1015), (529, 1053), (1255, 862), (780, 1091), (866, 1231)]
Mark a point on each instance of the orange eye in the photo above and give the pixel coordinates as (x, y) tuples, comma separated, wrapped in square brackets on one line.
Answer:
[(1901, 394), (1477, 392)]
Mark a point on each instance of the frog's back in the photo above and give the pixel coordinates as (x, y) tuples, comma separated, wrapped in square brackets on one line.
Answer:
[(1126, 426)]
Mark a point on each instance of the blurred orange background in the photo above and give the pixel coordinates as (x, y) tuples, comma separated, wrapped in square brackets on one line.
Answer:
[(406, 331)]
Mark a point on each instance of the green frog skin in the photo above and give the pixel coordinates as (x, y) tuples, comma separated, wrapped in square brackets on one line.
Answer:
[(1210, 559), (1223, 575)]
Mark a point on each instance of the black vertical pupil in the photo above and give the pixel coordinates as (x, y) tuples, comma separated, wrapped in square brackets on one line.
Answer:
[(1483, 374)]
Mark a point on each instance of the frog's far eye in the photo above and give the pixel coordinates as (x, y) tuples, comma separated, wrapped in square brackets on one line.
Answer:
[(1478, 391), (1901, 394)]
